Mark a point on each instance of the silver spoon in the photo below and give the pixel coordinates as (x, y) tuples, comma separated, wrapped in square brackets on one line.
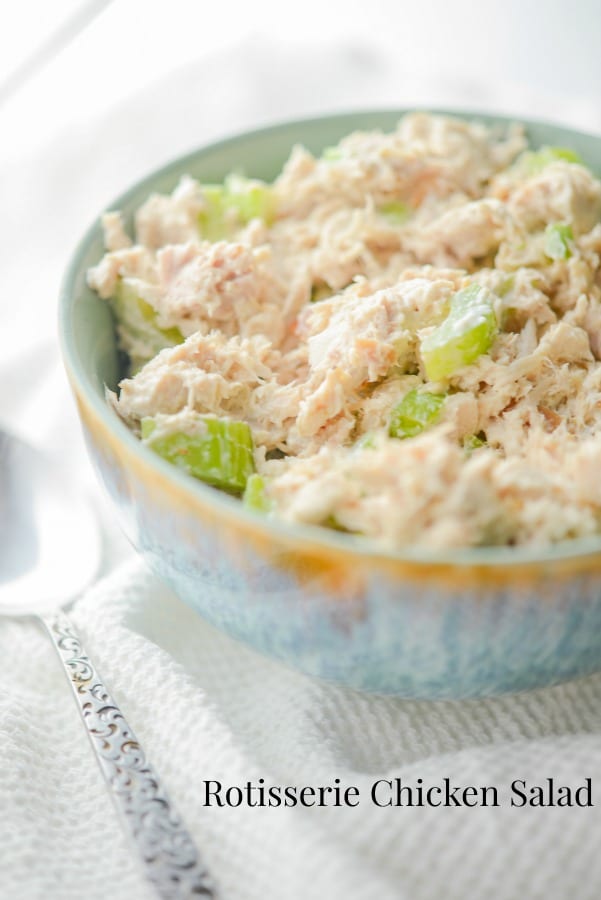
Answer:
[(43, 517)]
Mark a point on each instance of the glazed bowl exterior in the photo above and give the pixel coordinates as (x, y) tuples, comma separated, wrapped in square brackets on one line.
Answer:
[(427, 625)]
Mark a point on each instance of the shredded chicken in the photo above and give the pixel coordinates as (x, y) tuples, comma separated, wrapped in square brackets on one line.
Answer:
[(309, 317)]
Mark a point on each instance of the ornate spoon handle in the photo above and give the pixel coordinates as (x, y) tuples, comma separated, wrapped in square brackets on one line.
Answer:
[(167, 852)]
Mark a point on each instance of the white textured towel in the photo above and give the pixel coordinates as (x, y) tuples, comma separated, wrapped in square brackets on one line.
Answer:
[(204, 706)]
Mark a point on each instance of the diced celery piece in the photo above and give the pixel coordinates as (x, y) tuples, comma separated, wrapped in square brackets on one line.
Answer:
[(147, 426), (238, 200), (222, 455), (255, 497), (138, 321), (416, 412), (331, 154), (473, 442), (535, 162), (397, 212), (563, 153), (212, 222), (320, 292), (557, 241), (367, 441), (149, 315), (506, 285), (334, 525), (251, 198), (466, 333)]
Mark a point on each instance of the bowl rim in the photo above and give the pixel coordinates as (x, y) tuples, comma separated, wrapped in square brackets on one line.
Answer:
[(354, 546)]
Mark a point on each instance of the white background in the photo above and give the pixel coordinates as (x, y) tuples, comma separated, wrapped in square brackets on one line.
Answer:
[(142, 83)]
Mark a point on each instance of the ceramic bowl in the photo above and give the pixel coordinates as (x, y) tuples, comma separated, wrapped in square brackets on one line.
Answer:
[(417, 624)]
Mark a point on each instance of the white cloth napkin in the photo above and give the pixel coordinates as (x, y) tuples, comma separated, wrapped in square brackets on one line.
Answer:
[(204, 706)]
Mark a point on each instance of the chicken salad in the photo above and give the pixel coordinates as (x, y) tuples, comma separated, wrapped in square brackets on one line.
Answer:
[(399, 338)]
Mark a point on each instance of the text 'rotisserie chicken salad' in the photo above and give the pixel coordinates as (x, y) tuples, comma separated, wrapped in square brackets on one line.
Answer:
[(400, 338)]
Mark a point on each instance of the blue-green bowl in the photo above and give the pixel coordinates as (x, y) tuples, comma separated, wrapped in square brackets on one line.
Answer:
[(418, 624)]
